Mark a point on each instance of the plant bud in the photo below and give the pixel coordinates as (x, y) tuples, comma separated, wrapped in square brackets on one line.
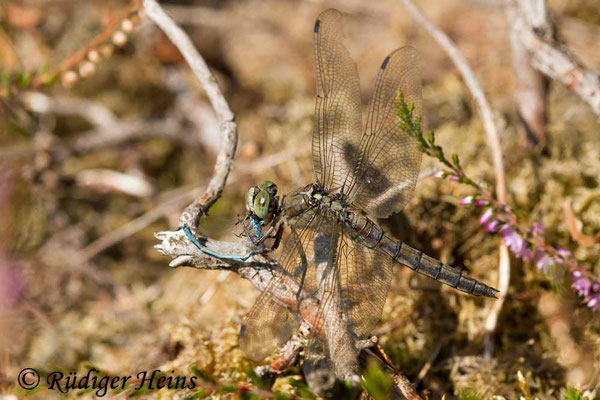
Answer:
[(119, 38), (93, 56), (107, 50), (69, 78), (127, 25), (87, 68)]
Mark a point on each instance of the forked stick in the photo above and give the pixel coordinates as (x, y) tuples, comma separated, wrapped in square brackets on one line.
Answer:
[(225, 116)]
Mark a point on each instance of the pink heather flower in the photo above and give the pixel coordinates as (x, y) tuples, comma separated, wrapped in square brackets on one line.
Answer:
[(526, 253), (481, 202), (564, 252), (486, 216), (492, 226), (514, 241), (594, 301), (582, 286), (439, 175), (453, 178), (576, 274), (544, 262), (537, 228), (596, 287), (466, 201)]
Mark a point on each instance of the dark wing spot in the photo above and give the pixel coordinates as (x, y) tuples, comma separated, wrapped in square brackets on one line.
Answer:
[(385, 62), (317, 25), (242, 330)]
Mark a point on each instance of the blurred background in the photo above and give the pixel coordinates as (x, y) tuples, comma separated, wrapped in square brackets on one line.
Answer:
[(93, 164)]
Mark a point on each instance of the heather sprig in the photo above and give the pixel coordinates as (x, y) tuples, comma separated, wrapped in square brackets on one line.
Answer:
[(80, 64), (526, 243)]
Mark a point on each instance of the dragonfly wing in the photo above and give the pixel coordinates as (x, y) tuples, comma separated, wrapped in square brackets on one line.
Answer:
[(391, 159), (317, 368), (338, 107), (273, 318), (352, 285), (267, 326), (365, 275)]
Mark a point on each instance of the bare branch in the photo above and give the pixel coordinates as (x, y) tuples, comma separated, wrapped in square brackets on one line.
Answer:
[(575, 227), (493, 142), (555, 61), (532, 86), (99, 137), (172, 202), (225, 116), (92, 111), (403, 385), (105, 180)]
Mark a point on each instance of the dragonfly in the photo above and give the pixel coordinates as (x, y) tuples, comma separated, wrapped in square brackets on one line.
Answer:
[(336, 258)]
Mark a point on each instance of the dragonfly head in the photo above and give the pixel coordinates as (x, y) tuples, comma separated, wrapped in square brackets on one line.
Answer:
[(262, 200)]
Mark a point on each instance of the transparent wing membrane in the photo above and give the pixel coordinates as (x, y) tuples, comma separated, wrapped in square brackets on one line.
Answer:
[(272, 320), (337, 120), (391, 159), (378, 167)]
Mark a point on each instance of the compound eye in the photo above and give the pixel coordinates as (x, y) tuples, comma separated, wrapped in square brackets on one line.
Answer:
[(272, 190)]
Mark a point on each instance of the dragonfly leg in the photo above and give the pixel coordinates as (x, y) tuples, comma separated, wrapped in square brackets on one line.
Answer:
[(278, 236), (257, 223), (244, 231)]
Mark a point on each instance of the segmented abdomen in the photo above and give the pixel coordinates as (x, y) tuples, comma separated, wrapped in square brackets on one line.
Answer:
[(372, 235)]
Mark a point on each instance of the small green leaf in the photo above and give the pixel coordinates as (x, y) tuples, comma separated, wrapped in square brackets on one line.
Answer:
[(227, 388), (44, 69), (377, 382), (455, 161), (198, 395), (254, 378), (203, 375), (469, 394), (301, 388), (431, 138), (573, 394), (280, 396)]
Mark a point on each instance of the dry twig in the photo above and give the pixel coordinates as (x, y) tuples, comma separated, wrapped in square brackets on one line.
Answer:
[(575, 230), (493, 142), (225, 116), (554, 60), (173, 201), (532, 86)]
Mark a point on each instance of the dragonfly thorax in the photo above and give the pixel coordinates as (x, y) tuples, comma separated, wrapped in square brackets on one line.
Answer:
[(335, 203)]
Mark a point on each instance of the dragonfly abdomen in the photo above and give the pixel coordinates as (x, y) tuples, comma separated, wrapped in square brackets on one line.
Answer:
[(435, 269), (369, 232), (372, 235)]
